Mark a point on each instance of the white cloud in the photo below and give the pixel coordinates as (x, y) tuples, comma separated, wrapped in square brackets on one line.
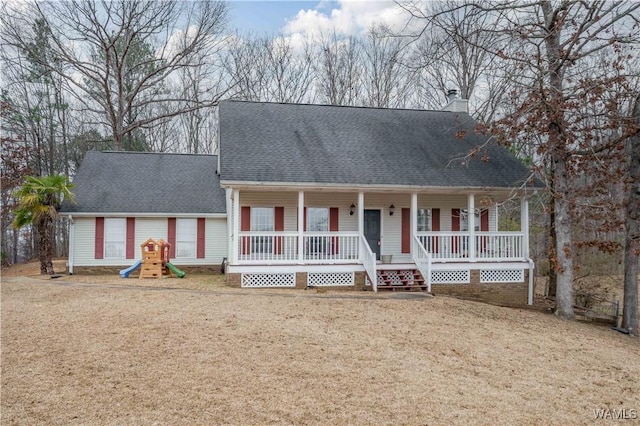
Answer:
[(350, 17)]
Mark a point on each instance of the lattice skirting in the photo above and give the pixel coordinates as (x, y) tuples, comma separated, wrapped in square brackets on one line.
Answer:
[(502, 276), (450, 277), (269, 280), (319, 279)]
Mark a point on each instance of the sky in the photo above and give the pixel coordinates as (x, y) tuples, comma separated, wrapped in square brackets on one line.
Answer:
[(290, 18)]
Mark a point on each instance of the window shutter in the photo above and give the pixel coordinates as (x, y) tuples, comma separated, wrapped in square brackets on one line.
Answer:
[(435, 220), (200, 238), (245, 225), (406, 230), (435, 227), (131, 238), (171, 225), (278, 225), (484, 220), (484, 226), (99, 239), (334, 226), (455, 226)]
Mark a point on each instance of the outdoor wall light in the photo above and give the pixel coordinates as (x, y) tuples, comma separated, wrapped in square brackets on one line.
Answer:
[(352, 209), (392, 209)]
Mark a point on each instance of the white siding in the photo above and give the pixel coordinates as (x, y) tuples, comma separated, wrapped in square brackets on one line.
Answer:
[(155, 228)]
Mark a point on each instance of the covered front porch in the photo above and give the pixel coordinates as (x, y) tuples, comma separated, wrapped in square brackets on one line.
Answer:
[(277, 230)]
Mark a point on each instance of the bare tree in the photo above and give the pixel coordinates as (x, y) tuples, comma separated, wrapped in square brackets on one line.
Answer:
[(632, 239), (551, 40), (270, 69), (385, 79), (119, 55), (339, 70)]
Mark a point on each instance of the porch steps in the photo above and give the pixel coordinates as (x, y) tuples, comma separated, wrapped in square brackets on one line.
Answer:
[(401, 279)]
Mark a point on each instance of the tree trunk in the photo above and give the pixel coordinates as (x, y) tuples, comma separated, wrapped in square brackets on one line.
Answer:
[(553, 274), (564, 253), (558, 146), (45, 246), (632, 237)]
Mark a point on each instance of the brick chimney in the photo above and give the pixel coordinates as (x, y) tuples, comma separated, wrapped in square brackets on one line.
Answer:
[(455, 104)]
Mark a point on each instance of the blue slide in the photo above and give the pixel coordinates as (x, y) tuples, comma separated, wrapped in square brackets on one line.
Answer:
[(124, 273)]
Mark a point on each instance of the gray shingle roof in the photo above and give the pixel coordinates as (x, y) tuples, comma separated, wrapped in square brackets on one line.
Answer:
[(297, 143), (136, 182)]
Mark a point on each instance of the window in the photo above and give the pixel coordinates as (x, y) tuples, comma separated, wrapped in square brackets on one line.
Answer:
[(115, 234), (186, 237), (424, 220), (317, 219), (464, 220), (262, 220)]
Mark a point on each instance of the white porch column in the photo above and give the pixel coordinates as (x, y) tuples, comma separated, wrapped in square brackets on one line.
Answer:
[(361, 213), (414, 219), (524, 225), (235, 245), (72, 244), (471, 221), (229, 210), (300, 226)]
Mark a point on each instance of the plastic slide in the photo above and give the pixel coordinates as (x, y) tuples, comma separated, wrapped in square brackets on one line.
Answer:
[(124, 273), (176, 271)]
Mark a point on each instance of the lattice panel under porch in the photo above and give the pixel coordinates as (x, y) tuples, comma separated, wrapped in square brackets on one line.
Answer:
[(378, 276), (269, 280), (502, 276), (320, 279), (450, 277)]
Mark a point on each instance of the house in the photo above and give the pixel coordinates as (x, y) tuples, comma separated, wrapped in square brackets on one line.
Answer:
[(316, 195), (125, 198)]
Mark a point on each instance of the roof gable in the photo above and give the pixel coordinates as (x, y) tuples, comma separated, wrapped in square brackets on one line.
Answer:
[(137, 182), (301, 143)]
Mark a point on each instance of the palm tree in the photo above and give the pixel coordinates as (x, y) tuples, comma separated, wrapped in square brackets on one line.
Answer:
[(39, 199)]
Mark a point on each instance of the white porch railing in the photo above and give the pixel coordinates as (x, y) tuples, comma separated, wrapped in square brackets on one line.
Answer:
[(260, 247), (499, 245), (330, 247), (368, 259), (282, 247), (347, 247), (422, 259), (488, 245)]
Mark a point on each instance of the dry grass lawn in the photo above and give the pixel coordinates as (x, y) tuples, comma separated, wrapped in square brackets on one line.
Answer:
[(107, 351)]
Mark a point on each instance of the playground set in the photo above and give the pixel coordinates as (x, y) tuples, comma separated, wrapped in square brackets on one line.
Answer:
[(155, 261)]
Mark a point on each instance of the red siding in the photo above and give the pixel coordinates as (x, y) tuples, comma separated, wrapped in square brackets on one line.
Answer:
[(131, 237), (200, 242), (99, 239), (171, 225), (334, 226), (278, 226), (406, 231), (245, 225)]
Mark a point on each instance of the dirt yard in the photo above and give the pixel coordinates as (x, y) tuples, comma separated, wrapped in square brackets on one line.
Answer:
[(108, 351)]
